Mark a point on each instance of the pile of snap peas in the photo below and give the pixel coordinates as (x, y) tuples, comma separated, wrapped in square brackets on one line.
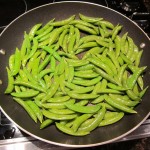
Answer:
[(79, 74)]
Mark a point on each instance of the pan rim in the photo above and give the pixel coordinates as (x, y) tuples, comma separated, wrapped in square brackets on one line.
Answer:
[(72, 145), (73, 2), (69, 145)]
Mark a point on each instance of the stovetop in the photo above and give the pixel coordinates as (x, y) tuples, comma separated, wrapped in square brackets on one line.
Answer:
[(137, 10)]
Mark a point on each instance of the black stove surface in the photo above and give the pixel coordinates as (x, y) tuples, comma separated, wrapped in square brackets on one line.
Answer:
[(137, 10)]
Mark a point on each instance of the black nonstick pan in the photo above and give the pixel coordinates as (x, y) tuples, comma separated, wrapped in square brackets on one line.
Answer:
[(12, 37)]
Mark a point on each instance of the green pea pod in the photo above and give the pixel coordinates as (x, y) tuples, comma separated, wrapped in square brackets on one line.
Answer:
[(87, 82), (118, 46), (119, 105), (62, 36), (133, 78), (30, 85), (52, 52), (54, 116), (41, 30), (27, 108), (44, 63), (81, 96), (105, 75), (99, 99), (71, 44), (122, 43), (126, 102), (64, 111), (89, 19), (112, 120), (79, 120), (77, 63), (63, 22), (70, 73), (83, 109), (11, 62), (44, 33), (101, 65), (115, 31), (85, 29), (52, 89), (58, 99), (17, 62), (141, 94), (34, 29), (10, 85), (25, 94), (69, 131), (46, 123), (85, 75), (106, 23), (36, 110), (96, 121), (77, 88)]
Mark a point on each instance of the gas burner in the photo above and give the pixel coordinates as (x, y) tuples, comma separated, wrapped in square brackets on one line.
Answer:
[(9, 10), (130, 6)]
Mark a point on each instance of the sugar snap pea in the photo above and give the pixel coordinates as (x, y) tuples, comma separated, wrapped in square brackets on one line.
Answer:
[(77, 74)]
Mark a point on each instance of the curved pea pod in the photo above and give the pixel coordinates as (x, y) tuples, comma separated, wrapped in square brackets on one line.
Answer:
[(58, 99), (57, 105), (83, 109), (69, 73), (86, 29), (79, 120), (11, 62), (105, 75), (118, 105), (54, 116), (78, 89), (89, 19), (36, 110), (116, 87), (30, 85), (64, 111), (101, 65), (27, 108), (110, 114), (106, 91), (10, 85), (132, 95), (122, 43), (99, 99), (81, 96), (84, 74), (63, 22), (133, 78), (118, 46), (17, 62), (108, 107), (123, 101), (52, 52), (52, 90), (96, 121), (115, 31), (68, 55), (33, 30), (62, 36), (106, 23), (25, 94), (44, 33), (141, 94), (112, 120), (70, 131), (46, 123)]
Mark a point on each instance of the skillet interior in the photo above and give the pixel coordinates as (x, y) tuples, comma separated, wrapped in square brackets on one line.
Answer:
[(12, 37)]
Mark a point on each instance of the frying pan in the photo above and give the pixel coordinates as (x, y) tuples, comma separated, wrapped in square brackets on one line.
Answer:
[(12, 37)]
